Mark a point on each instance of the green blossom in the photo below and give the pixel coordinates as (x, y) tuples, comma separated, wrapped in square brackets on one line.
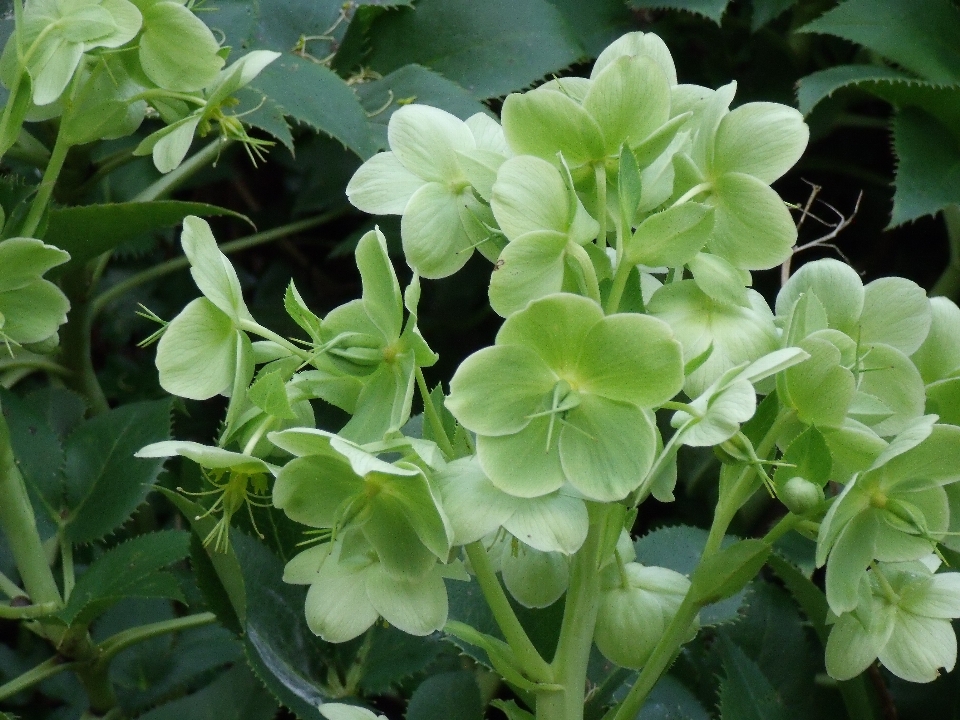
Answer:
[(31, 308), (564, 396), (903, 618)]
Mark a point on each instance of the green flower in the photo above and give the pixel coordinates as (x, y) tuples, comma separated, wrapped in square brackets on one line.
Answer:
[(339, 711), (350, 588), (893, 512), (335, 485), (238, 480), (564, 397), (903, 618), (435, 162), (31, 308), (938, 360)]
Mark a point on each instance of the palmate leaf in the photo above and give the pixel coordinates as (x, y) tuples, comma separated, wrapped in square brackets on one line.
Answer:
[(928, 171), (131, 569), (595, 24), (490, 48), (745, 692), (919, 35), (710, 9), (447, 696), (90, 230), (235, 694)]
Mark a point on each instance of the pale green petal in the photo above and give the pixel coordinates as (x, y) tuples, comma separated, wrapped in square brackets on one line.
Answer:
[(387, 528), (936, 459), (314, 490), (919, 647), (339, 711), (535, 579), (426, 140), (206, 456), (638, 44), (631, 358), (211, 270), (302, 569), (738, 334), (415, 499), (943, 398), (554, 327), (127, 23), (820, 389), (480, 168), (896, 538), (853, 446), (434, 240), (488, 134), (606, 448), (337, 606), (723, 414), (852, 648), (529, 268), (836, 285), (719, 279), (573, 87), (672, 237), (629, 99), (760, 139), (33, 312), (937, 598), (381, 291), (414, 607), (939, 355), (706, 119), (530, 195), (25, 259), (382, 186), (888, 375), (550, 523), (497, 389), (544, 122), (169, 27), (752, 227), (895, 312), (523, 464), (303, 441), (172, 143), (197, 354), (848, 562), (630, 622), (239, 74), (50, 78), (463, 487)]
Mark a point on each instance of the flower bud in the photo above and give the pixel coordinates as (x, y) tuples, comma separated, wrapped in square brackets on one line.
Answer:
[(800, 495)]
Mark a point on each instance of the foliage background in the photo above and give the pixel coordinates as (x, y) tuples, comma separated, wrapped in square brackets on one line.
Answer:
[(326, 103)]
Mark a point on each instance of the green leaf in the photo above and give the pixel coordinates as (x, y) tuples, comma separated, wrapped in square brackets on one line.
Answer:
[(131, 569), (394, 657), (280, 648), (679, 548), (269, 393), (671, 238), (104, 483), (710, 9), (919, 36), (235, 694), (447, 696), (745, 692), (765, 11), (595, 24), (808, 457), (316, 96), (490, 48), (419, 84), (727, 572), (225, 565), (928, 168), (91, 230)]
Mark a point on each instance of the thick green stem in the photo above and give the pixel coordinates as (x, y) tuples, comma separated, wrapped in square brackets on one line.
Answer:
[(20, 527), (47, 669), (949, 283), (175, 178), (535, 667), (76, 349), (576, 631), (600, 176), (617, 288), (181, 263), (45, 191), (122, 640)]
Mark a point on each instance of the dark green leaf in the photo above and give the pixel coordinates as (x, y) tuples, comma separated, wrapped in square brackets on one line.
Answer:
[(15, 196), (679, 548), (491, 48), (91, 230), (104, 481), (766, 10), (745, 692), (287, 657), (928, 171), (235, 694), (711, 9), (414, 83), (727, 572), (809, 597), (595, 24), (274, 24), (919, 35), (316, 96), (447, 696), (671, 700), (395, 656), (131, 569), (226, 568)]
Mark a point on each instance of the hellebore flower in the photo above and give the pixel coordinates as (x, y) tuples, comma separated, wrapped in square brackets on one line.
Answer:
[(564, 397), (31, 308)]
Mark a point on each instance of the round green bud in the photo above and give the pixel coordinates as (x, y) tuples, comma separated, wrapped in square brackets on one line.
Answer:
[(800, 495)]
